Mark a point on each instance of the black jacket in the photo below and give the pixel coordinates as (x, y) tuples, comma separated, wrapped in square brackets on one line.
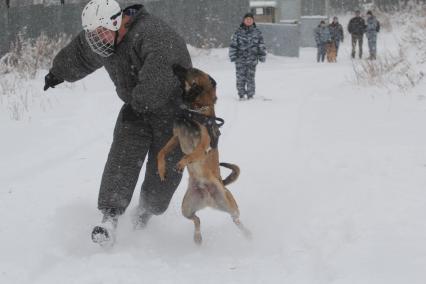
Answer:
[(356, 26)]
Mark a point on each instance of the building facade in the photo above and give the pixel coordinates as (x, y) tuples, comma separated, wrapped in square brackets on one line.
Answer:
[(287, 11)]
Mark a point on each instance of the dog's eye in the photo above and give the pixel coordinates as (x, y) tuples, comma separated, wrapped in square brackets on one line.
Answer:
[(196, 90)]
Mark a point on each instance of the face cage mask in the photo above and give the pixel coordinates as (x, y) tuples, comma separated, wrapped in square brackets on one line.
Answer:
[(102, 41)]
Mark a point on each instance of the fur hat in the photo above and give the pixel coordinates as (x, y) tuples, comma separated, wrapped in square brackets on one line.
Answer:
[(248, 15)]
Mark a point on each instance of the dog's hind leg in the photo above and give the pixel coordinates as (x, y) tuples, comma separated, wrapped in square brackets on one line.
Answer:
[(225, 201), (198, 239), (192, 202), (236, 218)]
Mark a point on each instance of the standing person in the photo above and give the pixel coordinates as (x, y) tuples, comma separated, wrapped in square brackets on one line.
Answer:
[(137, 50), (336, 33), (373, 27), (356, 28), (322, 37), (246, 49)]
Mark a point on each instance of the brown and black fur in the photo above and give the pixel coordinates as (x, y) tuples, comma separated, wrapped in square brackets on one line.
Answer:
[(205, 187), (331, 52)]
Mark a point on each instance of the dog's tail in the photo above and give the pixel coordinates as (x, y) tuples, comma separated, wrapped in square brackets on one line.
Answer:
[(232, 176)]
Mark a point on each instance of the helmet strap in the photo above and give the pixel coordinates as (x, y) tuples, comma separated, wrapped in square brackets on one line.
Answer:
[(115, 39)]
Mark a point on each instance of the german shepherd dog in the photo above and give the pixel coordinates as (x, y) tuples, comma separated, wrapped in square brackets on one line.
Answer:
[(197, 133), (331, 51)]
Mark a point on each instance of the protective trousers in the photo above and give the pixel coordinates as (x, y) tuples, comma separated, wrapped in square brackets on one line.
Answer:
[(132, 141)]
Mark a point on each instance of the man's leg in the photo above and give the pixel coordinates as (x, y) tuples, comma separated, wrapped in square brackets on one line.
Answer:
[(318, 52), (156, 194), (360, 43), (337, 44), (354, 39), (323, 51), (372, 44), (241, 71), (251, 83), (130, 144)]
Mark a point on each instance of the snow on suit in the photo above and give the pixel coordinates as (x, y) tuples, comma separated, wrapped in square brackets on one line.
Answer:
[(322, 36), (141, 71), (373, 27), (246, 49)]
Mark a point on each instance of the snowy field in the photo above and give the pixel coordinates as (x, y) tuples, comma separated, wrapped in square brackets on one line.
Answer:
[(332, 185)]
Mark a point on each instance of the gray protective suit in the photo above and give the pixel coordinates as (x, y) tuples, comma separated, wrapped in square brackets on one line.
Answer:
[(144, 80)]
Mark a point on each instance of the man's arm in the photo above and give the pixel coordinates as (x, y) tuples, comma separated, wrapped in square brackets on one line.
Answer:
[(233, 48), (317, 36), (363, 26), (261, 48), (350, 26), (75, 61)]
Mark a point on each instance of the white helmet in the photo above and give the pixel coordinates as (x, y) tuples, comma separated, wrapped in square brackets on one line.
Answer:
[(99, 17)]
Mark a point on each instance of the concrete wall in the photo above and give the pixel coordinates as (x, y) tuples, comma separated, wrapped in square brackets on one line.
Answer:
[(314, 7), (307, 27), (281, 39)]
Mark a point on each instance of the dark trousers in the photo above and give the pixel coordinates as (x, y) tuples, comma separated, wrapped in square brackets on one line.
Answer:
[(357, 39), (133, 141), (321, 51), (372, 45), (337, 43), (246, 73)]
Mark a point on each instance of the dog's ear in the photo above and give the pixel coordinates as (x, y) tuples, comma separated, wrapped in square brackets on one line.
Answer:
[(213, 82), (179, 71)]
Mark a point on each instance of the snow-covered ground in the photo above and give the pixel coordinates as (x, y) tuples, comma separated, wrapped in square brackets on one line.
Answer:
[(332, 185)]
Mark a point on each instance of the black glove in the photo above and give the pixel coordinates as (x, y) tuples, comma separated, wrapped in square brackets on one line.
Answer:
[(50, 81), (129, 114)]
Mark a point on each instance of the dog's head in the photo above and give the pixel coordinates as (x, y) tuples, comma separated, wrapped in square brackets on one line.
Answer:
[(199, 89)]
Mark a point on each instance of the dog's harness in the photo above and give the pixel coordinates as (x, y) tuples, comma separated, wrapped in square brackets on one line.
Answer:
[(212, 123)]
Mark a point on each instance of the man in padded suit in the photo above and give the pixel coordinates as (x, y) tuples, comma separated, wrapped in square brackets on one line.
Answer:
[(137, 50)]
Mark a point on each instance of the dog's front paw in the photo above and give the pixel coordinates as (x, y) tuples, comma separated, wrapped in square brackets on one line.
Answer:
[(162, 175), (181, 165)]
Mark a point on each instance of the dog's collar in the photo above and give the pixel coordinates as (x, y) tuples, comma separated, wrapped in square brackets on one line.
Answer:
[(212, 123), (202, 109), (205, 120)]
